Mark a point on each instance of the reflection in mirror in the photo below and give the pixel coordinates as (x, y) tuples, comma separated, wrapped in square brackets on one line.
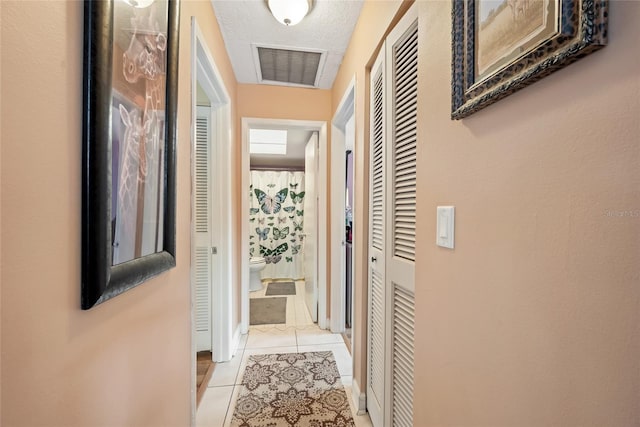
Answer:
[(138, 128)]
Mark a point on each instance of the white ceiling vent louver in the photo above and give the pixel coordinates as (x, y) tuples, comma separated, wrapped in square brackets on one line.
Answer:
[(289, 66)]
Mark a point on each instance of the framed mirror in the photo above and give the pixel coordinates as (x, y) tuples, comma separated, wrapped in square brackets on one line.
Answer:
[(129, 131)]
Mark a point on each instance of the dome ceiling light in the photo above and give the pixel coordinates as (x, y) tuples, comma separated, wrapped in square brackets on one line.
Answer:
[(289, 12)]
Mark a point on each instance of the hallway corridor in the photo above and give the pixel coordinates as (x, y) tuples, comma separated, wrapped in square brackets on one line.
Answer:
[(297, 335)]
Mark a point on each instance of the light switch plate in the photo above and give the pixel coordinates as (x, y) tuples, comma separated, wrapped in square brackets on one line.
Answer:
[(445, 226)]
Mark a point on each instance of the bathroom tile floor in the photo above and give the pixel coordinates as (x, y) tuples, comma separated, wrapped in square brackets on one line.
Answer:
[(298, 334)]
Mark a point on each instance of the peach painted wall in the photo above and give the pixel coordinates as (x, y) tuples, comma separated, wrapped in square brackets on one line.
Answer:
[(281, 102), (375, 20), (534, 318), (125, 362)]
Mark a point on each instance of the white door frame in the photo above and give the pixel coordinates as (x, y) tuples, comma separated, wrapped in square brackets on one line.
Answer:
[(321, 128), (346, 109), (204, 71)]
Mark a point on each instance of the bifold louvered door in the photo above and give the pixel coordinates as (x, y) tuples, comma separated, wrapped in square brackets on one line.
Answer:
[(202, 228), (398, 224), (402, 69), (377, 294)]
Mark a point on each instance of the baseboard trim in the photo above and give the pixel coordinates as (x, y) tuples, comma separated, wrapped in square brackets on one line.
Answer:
[(236, 340), (359, 398)]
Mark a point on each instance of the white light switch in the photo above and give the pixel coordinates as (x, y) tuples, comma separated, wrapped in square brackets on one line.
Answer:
[(445, 226)]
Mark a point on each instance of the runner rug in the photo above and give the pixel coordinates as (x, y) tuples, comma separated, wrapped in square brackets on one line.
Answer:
[(292, 389)]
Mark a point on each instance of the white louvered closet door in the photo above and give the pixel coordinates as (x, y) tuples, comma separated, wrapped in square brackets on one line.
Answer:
[(392, 222), (377, 296), (402, 72), (202, 227)]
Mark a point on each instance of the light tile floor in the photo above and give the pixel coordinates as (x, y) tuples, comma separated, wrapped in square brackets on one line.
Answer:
[(298, 334)]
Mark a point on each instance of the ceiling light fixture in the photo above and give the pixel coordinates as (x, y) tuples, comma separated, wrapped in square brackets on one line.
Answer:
[(289, 12)]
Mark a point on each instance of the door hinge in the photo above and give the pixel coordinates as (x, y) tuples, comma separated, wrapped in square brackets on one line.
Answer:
[(214, 250)]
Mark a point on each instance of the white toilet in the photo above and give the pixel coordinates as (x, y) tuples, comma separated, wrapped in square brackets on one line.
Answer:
[(256, 265)]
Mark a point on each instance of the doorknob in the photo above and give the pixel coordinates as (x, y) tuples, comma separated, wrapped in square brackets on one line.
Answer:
[(373, 259)]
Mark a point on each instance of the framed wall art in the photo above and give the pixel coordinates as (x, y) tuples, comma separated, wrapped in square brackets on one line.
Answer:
[(129, 131), (501, 46)]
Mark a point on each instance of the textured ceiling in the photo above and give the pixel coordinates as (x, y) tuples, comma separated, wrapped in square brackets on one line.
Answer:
[(246, 24)]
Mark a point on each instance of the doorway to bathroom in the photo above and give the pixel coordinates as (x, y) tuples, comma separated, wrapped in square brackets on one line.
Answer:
[(284, 172)]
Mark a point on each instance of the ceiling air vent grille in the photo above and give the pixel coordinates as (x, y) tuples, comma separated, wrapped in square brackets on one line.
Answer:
[(289, 66)]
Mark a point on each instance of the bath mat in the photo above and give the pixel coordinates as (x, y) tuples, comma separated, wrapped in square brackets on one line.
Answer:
[(281, 288), (267, 311), (292, 389)]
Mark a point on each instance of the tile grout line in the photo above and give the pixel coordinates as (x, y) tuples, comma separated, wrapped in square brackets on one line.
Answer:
[(235, 379), (226, 415), (240, 354)]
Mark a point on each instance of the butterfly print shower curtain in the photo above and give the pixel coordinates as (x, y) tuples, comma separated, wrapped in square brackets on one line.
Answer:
[(276, 215)]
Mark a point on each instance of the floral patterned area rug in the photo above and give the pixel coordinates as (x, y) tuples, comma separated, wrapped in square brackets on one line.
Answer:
[(292, 389)]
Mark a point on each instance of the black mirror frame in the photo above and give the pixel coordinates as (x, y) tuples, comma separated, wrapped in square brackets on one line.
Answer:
[(100, 279)]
